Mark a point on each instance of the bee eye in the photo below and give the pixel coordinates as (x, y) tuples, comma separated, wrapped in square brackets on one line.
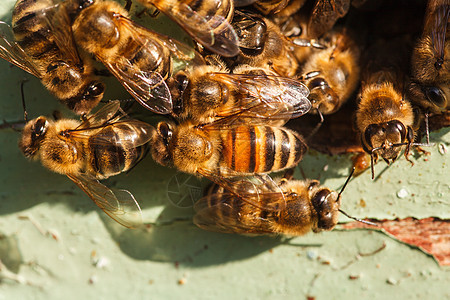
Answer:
[(165, 132), (317, 82), (395, 128), (324, 207), (39, 129), (85, 3), (94, 90), (371, 130), (435, 95)]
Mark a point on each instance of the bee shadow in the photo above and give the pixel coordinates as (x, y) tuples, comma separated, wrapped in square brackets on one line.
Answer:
[(180, 242)]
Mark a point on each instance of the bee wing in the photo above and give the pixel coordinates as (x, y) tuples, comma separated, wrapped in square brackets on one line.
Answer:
[(120, 205), (264, 97), (257, 190), (436, 22), (57, 19), (12, 52), (221, 212), (148, 88), (213, 31), (102, 116), (325, 15), (138, 134)]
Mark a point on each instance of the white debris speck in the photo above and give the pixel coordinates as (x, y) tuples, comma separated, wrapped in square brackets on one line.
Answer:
[(325, 168), (442, 149), (311, 254), (72, 250), (102, 262), (402, 193)]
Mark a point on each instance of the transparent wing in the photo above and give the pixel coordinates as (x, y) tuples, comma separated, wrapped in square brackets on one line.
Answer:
[(223, 212), (436, 22), (134, 133), (120, 205), (257, 190), (104, 115), (264, 97), (325, 14), (211, 30), (149, 87), (12, 52), (57, 19)]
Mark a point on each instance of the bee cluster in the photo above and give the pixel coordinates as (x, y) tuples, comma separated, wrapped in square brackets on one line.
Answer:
[(363, 76)]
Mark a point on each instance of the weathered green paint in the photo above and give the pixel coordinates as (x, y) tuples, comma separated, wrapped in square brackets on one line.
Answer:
[(149, 264)]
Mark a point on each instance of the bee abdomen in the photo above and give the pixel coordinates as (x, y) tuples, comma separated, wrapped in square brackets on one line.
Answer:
[(262, 149), (116, 153), (154, 57), (31, 31)]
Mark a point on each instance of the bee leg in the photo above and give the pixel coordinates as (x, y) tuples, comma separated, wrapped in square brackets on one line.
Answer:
[(16, 125), (427, 128), (421, 150), (155, 13), (288, 175), (408, 147), (128, 5), (314, 131)]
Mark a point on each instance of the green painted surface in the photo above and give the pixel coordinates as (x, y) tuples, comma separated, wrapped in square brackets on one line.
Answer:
[(95, 258)]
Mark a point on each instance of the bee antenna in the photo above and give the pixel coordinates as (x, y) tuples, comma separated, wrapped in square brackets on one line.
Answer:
[(356, 219), (345, 184), (25, 114)]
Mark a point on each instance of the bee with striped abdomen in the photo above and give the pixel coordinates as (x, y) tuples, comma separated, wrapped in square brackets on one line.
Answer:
[(332, 74), (41, 43), (101, 146), (139, 58), (219, 150), (207, 21), (385, 118), (286, 206), (210, 92)]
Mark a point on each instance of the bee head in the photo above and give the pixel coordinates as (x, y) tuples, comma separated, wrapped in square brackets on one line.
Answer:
[(386, 138), (322, 96), (90, 96), (252, 33), (161, 139), (326, 203), (32, 136)]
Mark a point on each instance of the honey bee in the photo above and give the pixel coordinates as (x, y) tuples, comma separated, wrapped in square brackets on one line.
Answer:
[(430, 64), (288, 207), (385, 118), (41, 43), (262, 44), (208, 22), (209, 92), (139, 58), (97, 148), (219, 149), (325, 14), (332, 74)]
